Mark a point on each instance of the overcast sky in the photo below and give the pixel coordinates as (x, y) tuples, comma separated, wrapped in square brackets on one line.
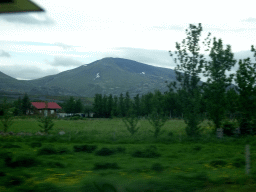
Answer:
[(71, 33)]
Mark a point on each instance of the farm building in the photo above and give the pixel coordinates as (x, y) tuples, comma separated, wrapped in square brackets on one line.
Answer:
[(46, 108)]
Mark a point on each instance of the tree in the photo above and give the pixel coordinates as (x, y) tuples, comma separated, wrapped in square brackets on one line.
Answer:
[(121, 106), (45, 121), (232, 103), (157, 120), (137, 105), (97, 105), (127, 102), (7, 118), (246, 81), (78, 106), (18, 107), (221, 62), (109, 106), (114, 111), (189, 65), (26, 105), (131, 121)]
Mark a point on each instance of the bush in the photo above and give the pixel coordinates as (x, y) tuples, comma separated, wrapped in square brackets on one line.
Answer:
[(13, 181), (120, 150), (48, 150), (157, 167), (157, 121), (55, 164), (63, 150), (35, 144), (84, 148), (46, 123), (150, 152), (48, 187), (131, 121), (10, 145), (228, 128), (218, 163), (25, 160), (98, 166), (238, 162), (105, 152)]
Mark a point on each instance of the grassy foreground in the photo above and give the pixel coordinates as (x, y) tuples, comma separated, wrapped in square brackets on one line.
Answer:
[(100, 155)]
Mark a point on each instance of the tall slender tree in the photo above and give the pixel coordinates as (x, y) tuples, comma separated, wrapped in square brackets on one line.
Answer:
[(246, 81), (222, 60), (26, 105), (190, 63)]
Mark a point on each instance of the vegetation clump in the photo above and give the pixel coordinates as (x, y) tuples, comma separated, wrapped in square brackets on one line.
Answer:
[(84, 148), (218, 163), (35, 144), (105, 152), (25, 160), (47, 150), (157, 167), (150, 152), (98, 166)]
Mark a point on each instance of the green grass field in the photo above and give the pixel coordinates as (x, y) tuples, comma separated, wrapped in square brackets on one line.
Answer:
[(120, 162)]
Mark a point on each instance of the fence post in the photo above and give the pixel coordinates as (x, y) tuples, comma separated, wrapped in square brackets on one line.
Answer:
[(247, 159), (219, 133)]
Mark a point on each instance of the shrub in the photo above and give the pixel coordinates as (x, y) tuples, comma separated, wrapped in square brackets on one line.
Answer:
[(47, 150), (35, 144), (157, 167), (197, 148), (10, 145), (63, 150), (84, 148), (157, 121), (46, 123), (120, 150), (150, 152), (2, 174), (131, 121), (25, 160), (7, 118), (48, 187), (238, 162), (55, 164), (105, 152), (228, 128), (218, 163), (98, 166), (13, 181)]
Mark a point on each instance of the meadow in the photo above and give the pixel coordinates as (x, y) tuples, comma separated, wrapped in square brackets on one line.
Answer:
[(101, 155)]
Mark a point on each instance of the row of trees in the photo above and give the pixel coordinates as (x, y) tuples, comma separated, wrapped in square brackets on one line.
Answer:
[(215, 99), (191, 64)]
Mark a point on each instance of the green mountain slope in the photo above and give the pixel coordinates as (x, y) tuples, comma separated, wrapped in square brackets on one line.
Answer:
[(110, 76), (105, 76)]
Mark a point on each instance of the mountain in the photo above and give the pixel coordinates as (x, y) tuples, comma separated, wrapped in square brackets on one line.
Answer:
[(105, 76)]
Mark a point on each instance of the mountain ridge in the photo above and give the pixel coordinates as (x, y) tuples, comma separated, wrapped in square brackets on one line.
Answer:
[(106, 76)]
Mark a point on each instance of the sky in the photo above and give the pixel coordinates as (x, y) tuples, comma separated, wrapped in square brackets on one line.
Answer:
[(72, 33)]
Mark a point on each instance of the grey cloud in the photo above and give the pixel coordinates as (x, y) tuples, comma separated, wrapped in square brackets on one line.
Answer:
[(169, 27), (250, 19), (64, 46), (28, 18), (4, 54), (24, 72), (64, 62), (159, 58)]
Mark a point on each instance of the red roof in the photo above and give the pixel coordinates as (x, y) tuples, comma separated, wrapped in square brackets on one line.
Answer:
[(41, 105)]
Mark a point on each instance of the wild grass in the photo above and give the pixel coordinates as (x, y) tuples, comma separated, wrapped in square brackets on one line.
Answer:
[(168, 163)]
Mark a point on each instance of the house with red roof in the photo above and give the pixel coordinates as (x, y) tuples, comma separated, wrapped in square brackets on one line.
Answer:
[(45, 108)]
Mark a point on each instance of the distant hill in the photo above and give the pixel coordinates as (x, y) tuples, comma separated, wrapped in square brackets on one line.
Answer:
[(105, 76)]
